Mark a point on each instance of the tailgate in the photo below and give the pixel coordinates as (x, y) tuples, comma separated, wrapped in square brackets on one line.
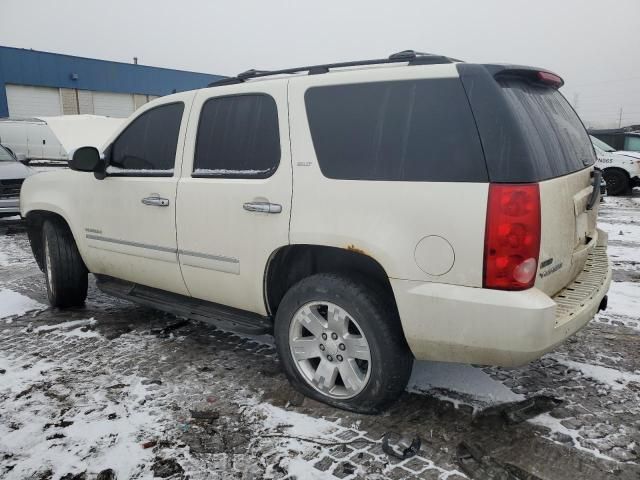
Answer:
[(568, 231), (530, 134)]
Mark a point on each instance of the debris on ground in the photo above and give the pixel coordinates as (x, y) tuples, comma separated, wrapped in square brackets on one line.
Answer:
[(166, 467), (406, 452)]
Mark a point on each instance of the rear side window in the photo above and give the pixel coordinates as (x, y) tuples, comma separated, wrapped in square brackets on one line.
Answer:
[(238, 137), (632, 143), (148, 145), (554, 137), (410, 130)]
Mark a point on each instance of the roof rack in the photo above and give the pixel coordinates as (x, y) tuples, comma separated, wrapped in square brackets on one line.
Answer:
[(410, 56)]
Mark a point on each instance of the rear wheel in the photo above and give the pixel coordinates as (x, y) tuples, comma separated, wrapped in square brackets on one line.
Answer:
[(617, 181), (65, 272), (341, 343)]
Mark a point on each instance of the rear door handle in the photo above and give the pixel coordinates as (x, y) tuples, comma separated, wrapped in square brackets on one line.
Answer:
[(156, 200), (263, 207)]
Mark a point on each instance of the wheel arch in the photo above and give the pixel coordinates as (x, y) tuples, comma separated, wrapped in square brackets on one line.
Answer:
[(34, 220), (619, 169), (289, 264)]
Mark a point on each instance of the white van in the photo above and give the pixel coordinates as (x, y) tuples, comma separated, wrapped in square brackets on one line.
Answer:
[(52, 138)]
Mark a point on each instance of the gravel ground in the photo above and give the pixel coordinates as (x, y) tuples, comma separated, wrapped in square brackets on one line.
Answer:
[(117, 390)]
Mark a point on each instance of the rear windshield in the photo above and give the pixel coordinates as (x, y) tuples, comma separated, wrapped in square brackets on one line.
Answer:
[(554, 136), (410, 130)]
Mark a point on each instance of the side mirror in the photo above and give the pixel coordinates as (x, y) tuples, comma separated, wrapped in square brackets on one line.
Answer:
[(22, 158), (88, 159)]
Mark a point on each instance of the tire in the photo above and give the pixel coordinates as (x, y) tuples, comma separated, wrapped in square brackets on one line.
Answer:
[(340, 359), (617, 181), (65, 273)]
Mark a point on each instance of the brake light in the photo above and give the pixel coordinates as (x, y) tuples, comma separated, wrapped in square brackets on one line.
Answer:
[(550, 79), (512, 236)]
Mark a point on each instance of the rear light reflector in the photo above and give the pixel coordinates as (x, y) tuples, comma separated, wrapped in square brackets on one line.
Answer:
[(512, 236)]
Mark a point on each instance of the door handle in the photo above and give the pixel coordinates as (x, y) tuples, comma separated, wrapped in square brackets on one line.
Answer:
[(263, 207), (156, 200)]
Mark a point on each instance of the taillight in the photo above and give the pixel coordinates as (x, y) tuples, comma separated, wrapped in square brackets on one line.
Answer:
[(512, 236)]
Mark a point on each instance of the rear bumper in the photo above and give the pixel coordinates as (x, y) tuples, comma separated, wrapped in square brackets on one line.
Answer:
[(10, 205), (492, 327)]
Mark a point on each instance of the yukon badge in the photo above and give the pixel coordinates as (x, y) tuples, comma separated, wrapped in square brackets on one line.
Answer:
[(549, 270)]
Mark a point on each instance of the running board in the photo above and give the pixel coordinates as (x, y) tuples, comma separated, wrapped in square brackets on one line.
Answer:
[(227, 318)]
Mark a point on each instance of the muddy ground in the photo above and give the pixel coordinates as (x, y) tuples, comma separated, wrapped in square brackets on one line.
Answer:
[(114, 389)]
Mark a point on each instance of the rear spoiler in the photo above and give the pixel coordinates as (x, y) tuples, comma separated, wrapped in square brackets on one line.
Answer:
[(532, 74)]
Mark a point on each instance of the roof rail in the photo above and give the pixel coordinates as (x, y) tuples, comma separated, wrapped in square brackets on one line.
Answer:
[(410, 56)]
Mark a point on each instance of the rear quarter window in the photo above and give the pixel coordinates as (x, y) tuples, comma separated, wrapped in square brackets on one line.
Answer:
[(412, 130)]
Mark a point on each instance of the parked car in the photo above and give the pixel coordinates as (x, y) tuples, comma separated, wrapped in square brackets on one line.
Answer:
[(621, 169), (618, 138), (52, 138), (426, 209), (12, 174)]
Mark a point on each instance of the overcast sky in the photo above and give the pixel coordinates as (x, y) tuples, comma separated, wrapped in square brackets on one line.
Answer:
[(593, 45)]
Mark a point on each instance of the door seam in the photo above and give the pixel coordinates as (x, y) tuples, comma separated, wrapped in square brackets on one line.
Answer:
[(175, 210)]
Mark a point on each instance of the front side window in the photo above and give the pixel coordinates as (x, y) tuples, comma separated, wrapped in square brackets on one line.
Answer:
[(238, 137), (410, 130), (148, 145)]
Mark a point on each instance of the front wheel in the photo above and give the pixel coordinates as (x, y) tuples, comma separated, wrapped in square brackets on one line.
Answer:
[(65, 273), (617, 181), (341, 343)]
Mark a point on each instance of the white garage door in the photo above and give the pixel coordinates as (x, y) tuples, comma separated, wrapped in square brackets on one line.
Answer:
[(28, 102), (112, 104)]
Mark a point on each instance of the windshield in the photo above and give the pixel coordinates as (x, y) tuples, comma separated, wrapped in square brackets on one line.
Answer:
[(5, 156), (601, 145)]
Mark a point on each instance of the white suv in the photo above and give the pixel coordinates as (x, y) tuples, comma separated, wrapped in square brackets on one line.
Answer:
[(620, 169), (367, 213)]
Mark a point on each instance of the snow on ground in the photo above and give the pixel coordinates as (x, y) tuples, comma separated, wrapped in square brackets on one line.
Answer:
[(73, 399), (459, 383), (13, 304), (610, 377), (15, 378), (621, 231), (65, 325), (628, 254), (555, 427), (624, 304), (90, 437), (11, 253)]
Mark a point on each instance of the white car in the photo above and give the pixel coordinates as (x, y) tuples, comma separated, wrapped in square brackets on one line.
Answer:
[(425, 208), (12, 175), (621, 169)]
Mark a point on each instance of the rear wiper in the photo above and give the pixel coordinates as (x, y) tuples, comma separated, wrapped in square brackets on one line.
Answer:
[(597, 179)]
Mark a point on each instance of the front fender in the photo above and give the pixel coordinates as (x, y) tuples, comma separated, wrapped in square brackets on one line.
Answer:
[(55, 193)]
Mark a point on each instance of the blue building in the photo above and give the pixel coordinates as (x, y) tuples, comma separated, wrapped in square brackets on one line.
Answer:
[(34, 84)]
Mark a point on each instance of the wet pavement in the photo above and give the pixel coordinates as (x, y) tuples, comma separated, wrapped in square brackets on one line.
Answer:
[(117, 386)]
